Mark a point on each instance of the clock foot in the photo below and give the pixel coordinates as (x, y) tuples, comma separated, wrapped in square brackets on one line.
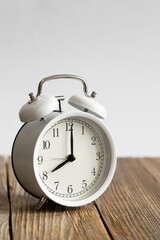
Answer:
[(41, 202)]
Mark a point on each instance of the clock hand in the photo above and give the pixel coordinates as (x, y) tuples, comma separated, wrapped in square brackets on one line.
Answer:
[(60, 165), (70, 158), (71, 139)]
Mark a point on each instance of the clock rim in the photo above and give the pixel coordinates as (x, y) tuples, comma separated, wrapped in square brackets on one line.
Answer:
[(109, 177)]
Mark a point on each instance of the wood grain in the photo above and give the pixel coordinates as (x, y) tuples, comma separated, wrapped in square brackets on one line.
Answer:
[(152, 166), (129, 209), (52, 221), (131, 206), (4, 202)]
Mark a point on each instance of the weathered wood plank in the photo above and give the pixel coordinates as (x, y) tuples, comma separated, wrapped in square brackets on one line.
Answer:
[(131, 205), (52, 221), (4, 202), (152, 165)]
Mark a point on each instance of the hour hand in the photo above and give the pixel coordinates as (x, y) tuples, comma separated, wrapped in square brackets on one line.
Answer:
[(70, 158), (61, 165)]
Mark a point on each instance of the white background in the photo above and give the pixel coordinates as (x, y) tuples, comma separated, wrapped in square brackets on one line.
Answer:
[(114, 45)]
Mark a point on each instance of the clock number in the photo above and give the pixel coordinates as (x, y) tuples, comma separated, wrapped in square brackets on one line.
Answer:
[(93, 171), (45, 175), (84, 184), (70, 189), (46, 144), (55, 132), (40, 160), (82, 130), (57, 183), (98, 156), (68, 126), (93, 140)]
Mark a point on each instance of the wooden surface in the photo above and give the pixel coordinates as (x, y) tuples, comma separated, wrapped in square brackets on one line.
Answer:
[(129, 209)]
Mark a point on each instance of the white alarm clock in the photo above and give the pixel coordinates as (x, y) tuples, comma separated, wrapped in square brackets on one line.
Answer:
[(67, 157)]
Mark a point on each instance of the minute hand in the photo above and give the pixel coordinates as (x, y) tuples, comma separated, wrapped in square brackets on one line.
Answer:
[(71, 157), (71, 140)]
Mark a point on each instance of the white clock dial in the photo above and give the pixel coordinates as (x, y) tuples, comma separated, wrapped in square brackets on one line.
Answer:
[(73, 158)]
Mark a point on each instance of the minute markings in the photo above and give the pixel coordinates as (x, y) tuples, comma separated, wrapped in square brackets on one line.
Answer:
[(82, 126)]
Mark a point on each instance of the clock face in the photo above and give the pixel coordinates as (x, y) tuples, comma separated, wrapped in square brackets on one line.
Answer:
[(73, 159)]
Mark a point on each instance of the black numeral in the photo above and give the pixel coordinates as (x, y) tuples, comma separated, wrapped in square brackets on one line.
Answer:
[(46, 144), (93, 140), (98, 156), (68, 126), (45, 175), (56, 183), (70, 189), (84, 184), (55, 132), (40, 160), (93, 171)]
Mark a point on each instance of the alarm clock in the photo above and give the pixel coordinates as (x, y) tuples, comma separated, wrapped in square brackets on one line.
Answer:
[(66, 157)]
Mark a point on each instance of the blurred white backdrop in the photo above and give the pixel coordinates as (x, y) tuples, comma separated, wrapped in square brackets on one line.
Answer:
[(114, 45)]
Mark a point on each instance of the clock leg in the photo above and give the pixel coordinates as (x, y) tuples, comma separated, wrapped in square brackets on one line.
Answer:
[(41, 202)]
